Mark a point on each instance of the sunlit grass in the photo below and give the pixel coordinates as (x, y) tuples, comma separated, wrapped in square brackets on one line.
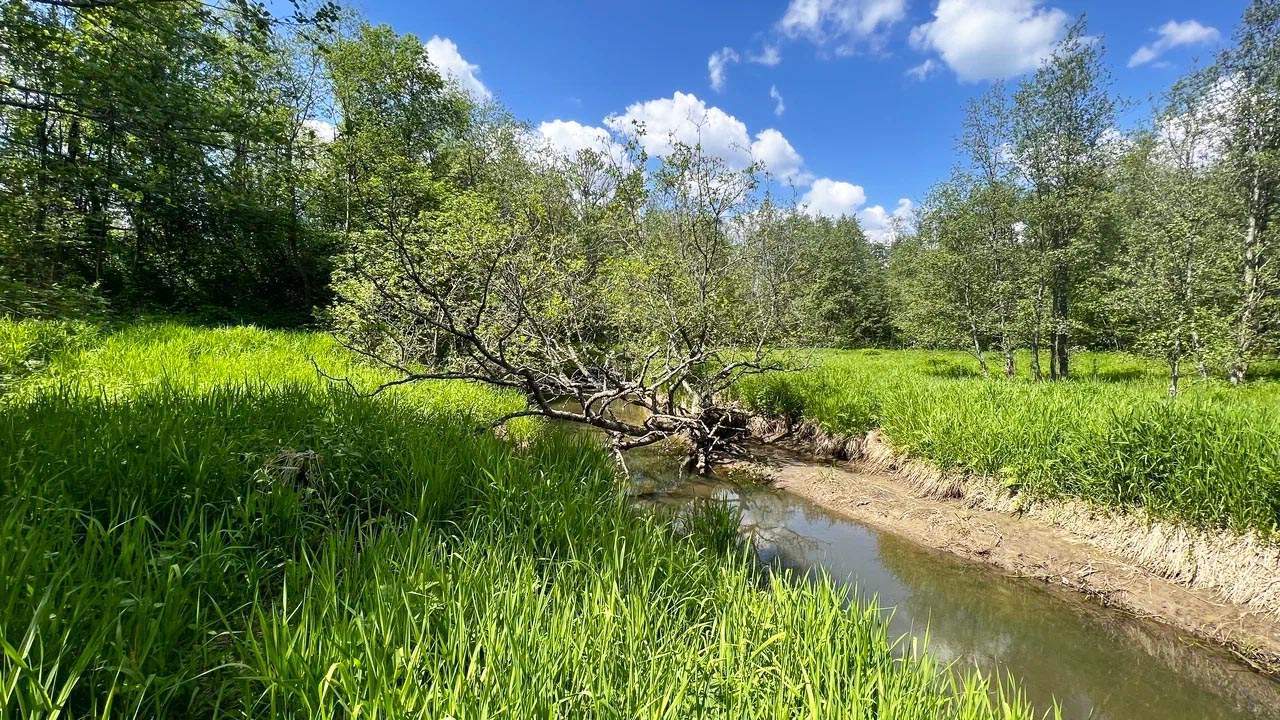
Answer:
[(194, 524), (1210, 456)]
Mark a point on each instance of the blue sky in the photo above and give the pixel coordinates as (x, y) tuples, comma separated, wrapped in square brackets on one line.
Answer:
[(872, 91)]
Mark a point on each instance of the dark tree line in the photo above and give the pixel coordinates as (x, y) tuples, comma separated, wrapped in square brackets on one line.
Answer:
[(160, 152)]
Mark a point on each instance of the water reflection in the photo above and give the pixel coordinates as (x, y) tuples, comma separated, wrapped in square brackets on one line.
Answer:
[(1097, 663)]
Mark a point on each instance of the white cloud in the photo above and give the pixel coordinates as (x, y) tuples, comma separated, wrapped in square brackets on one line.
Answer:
[(445, 56), (322, 130), (779, 106), (772, 150), (841, 24), (718, 63), (768, 56), (1196, 134), (683, 118), (991, 39), (833, 198), (569, 137), (1174, 34), (923, 70), (881, 225)]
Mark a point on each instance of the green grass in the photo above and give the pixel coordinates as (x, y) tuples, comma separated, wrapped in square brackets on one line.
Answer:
[(1210, 457), (194, 525), (26, 347)]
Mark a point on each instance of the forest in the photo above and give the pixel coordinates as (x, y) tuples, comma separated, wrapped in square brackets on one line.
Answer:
[(306, 354), (237, 168)]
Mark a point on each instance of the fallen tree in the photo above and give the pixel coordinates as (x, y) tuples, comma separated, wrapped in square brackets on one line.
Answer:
[(608, 289)]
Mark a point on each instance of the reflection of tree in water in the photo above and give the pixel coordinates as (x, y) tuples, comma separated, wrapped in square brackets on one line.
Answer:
[(1087, 656), (1090, 658)]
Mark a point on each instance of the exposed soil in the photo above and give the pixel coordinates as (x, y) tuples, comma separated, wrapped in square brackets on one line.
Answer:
[(1021, 544)]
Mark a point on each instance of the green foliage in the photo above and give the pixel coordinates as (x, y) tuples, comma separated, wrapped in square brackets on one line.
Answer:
[(844, 301), (195, 525), (1172, 285), (1111, 436), (158, 151)]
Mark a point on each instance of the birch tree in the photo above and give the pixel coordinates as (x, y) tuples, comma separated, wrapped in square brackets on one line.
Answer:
[(1248, 76), (998, 238), (1062, 115), (1174, 275)]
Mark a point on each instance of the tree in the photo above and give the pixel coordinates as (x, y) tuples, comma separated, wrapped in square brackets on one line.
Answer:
[(844, 293), (1173, 279), (654, 295), (1062, 117), (949, 298), (1245, 82), (143, 147), (998, 240), (965, 276)]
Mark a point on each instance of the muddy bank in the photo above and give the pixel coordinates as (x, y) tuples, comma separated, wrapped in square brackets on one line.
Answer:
[(1218, 586)]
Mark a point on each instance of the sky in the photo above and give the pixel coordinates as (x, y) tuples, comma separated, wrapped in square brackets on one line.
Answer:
[(857, 103)]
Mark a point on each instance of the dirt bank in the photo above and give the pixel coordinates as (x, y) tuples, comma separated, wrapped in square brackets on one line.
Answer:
[(1167, 573)]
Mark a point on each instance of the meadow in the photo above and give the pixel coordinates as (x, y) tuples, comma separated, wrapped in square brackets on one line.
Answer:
[(1110, 435), (195, 524)]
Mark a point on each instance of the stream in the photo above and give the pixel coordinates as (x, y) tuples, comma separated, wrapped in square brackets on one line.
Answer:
[(1095, 662)]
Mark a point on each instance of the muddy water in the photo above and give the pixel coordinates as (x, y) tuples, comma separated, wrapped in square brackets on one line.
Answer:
[(1092, 661)]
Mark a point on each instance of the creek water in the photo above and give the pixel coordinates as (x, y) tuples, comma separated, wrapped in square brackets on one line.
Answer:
[(1094, 662)]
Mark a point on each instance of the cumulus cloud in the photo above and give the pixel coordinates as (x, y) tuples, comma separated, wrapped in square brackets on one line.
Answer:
[(833, 198), (445, 56), (991, 39), (836, 198), (718, 63), (779, 106), (841, 24), (772, 150), (881, 225), (683, 118), (1197, 133), (1171, 35), (569, 137)]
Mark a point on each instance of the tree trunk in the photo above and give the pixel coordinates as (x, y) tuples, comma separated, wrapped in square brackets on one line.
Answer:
[(977, 352), (1251, 288), (1036, 373), (1061, 338)]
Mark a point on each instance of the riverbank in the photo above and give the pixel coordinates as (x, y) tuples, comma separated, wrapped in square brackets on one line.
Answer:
[(1220, 587), (1110, 436)]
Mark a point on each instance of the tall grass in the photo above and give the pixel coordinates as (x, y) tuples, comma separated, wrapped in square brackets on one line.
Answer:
[(194, 526), (27, 346), (1210, 456)]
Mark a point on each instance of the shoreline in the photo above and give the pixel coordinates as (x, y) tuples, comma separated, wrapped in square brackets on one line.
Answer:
[(1209, 584)]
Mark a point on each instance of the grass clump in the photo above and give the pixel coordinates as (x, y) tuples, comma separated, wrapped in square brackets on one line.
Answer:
[(26, 346), (1210, 456), (195, 526)]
